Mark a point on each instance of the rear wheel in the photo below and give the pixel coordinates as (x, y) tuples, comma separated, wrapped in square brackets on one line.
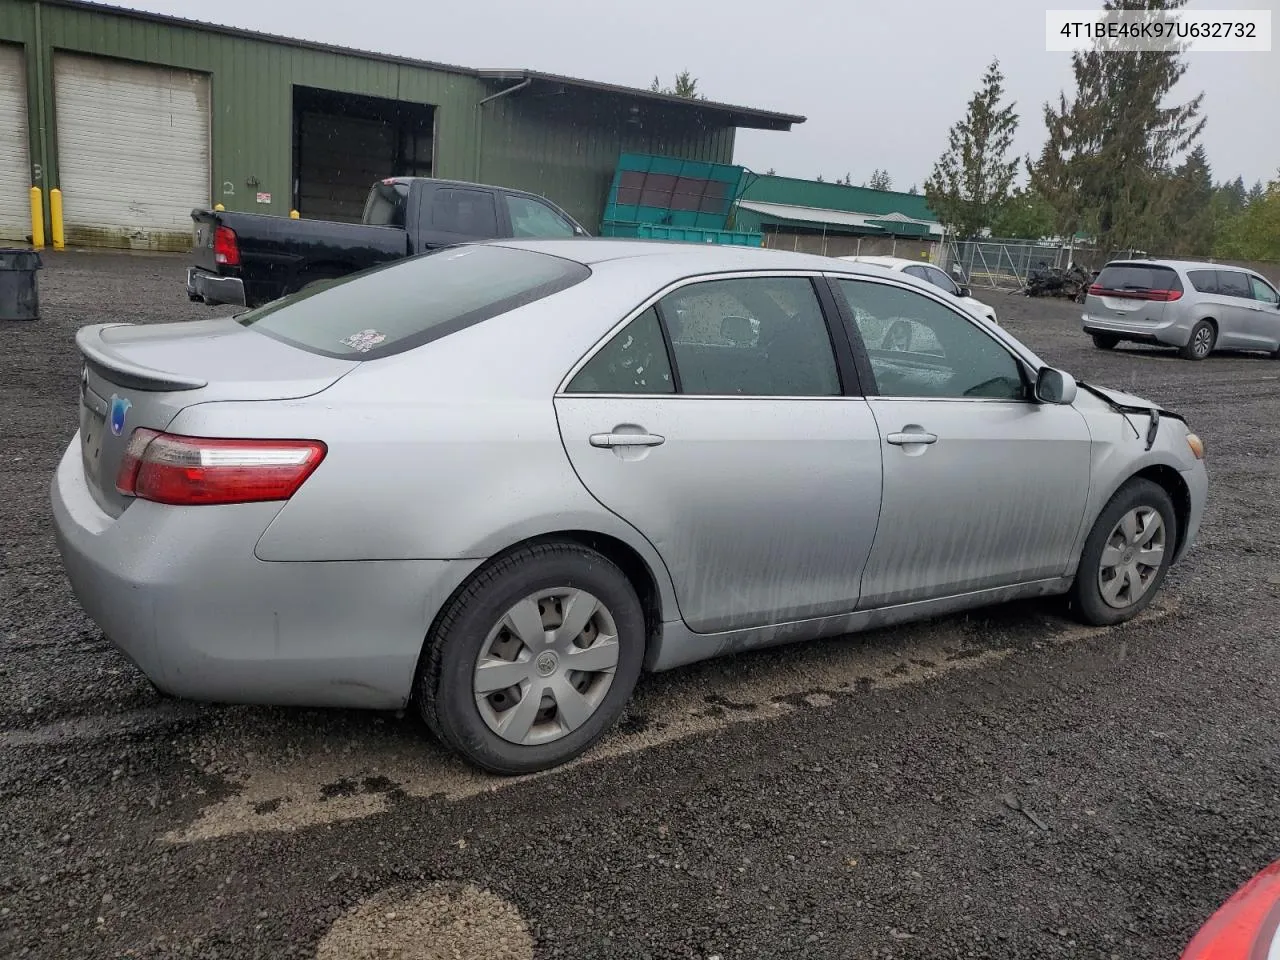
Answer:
[(1105, 341), (534, 660), (1200, 344), (1127, 554)]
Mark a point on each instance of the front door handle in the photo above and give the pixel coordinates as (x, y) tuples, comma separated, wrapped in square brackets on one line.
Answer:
[(903, 439), (610, 440)]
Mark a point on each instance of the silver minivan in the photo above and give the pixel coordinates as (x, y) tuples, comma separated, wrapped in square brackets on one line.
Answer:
[(1196, 307)]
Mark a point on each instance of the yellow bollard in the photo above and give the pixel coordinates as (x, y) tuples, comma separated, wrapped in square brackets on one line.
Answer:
[(219, 207), (55, 219), (37, 219), (294, 215)]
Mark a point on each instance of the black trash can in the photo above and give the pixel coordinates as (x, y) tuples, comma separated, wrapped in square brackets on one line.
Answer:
[(19, 296)]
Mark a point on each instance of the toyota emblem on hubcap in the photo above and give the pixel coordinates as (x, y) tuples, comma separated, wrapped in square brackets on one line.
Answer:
[(546, 663)]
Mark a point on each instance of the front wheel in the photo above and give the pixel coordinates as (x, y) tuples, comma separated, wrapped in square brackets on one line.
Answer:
[(534, 660), (1127, 555), (1200, 343)]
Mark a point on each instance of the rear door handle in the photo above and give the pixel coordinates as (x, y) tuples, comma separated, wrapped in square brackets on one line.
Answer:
[(902, 439), (609, 440)]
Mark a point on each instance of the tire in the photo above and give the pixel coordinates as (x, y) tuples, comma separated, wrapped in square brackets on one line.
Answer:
[(480, 625), (1105, 341), (1143, 499), (1204, 335)]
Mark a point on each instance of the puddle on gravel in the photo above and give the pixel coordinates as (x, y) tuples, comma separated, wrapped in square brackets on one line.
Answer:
[(442, 922), (297, 775)]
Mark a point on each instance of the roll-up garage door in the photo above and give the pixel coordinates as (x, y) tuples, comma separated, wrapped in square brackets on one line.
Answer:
[(15, 171), (133, 151)]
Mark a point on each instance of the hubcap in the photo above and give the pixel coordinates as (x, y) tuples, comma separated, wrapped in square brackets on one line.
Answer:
[(1204, 337), (546, 666), (1131, 557)]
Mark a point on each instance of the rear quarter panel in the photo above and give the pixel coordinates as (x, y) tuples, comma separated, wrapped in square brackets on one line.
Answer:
[(448, 451)]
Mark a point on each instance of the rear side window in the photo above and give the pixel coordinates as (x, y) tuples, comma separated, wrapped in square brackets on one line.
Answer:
[(468, 212), (1233, 284), (634, 361), (402, 305), (1205, 281), (1138, 278), (386, 205)]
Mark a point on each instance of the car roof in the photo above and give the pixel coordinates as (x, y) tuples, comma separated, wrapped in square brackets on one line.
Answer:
[(700, 257), (1176, 264), (891, 262)]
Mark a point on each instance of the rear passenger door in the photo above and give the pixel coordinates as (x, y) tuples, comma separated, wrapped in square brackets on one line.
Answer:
[(723, 424)]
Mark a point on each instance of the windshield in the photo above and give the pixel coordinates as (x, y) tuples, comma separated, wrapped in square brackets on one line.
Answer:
[(396, 307)]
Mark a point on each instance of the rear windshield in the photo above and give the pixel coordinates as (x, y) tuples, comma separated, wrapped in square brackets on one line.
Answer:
[(1137, 277), (402, 305)]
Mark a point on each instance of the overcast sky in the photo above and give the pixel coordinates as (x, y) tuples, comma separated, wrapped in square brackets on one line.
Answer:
[(880, 82)]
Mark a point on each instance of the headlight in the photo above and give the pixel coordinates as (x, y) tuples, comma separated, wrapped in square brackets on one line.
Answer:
[(1196, 445)]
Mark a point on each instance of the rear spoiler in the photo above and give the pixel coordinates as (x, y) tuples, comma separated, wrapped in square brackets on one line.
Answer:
[(111, 366)]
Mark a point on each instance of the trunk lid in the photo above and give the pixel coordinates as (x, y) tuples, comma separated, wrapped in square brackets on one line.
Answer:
[(143, 375)]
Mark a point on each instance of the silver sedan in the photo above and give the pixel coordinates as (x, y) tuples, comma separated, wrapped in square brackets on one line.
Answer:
[(502, 480)]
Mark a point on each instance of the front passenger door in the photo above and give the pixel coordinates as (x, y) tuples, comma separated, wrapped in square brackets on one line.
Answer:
[(983, 486)]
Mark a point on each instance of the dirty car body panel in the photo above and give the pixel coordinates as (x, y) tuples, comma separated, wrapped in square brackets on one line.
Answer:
[(793, 506)]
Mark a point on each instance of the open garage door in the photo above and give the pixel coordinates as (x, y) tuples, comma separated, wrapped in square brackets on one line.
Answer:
[(133, 151), (344, 143), (15, 170)]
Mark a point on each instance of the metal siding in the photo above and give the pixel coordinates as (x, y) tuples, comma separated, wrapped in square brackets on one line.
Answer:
[(569, 156), (15, 172)]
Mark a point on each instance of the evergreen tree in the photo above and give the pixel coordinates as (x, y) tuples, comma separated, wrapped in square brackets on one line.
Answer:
[(971, 180), (880, 180), (1106, 164)]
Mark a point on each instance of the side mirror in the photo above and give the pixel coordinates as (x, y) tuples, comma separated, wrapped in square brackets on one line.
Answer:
[(737, 330), (1055, 386), (965, 291)]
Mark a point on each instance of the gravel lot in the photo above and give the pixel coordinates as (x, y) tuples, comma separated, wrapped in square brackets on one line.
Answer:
[(854, 798)]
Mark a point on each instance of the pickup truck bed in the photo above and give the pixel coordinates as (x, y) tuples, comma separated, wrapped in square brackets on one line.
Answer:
[(251, 259)]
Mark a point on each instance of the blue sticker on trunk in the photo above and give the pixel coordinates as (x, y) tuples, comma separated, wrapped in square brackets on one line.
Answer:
[(119, 410)]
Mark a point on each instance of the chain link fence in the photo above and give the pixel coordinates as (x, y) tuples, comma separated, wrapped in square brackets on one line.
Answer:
[(1005, 264)]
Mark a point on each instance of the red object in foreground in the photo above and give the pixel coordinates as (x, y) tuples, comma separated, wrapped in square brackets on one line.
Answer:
[(1246, 927), (195, 471)]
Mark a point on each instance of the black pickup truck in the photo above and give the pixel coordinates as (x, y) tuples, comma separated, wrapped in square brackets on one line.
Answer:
[(250, 259)]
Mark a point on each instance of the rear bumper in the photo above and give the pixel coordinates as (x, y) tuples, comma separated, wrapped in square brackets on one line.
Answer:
[(180, 592), (1169, 333), (211, 288)]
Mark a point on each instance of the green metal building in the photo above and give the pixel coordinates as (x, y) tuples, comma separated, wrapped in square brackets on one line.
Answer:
[(837, 220), (137, 118)]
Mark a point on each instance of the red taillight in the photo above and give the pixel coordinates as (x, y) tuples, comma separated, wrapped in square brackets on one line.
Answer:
[(195, 471), (226, 250), (1163, 296)]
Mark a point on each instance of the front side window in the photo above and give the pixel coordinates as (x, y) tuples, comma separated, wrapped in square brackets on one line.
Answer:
[(1232, 283), (469, 212), (920, 348), (757, 337), (1262, 291), (531, 218), (941, 280), (633, 361)]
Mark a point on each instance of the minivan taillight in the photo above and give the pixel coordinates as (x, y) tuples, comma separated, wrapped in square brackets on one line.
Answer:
[(196, 471), (226, 250), (1163, 296)]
